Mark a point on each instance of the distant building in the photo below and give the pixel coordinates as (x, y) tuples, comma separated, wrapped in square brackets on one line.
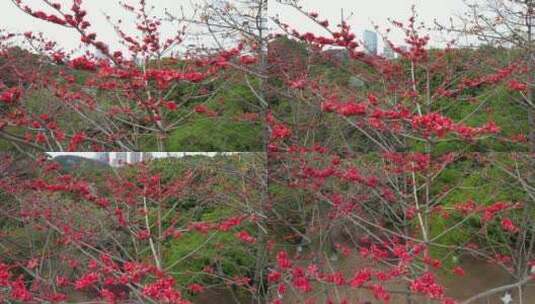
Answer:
[(370, 42), (146, 156), (99, 54), (388, 52), (119, 159), (134, 157), (103, 157), (138, 60), (94, 52)]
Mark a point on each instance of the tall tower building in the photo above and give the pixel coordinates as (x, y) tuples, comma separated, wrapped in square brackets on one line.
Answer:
[(119, 159), (146, 156), (134, 157), (103, 157), (388, 52), (370, 42)]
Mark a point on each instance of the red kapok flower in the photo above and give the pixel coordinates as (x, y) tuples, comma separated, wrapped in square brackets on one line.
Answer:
[(298, 84), (170, 105), (196, 288), (515, 85), (427, 285), (246, 59), (87, 280), (82, 63), (274, 276), (509, 226), (11, 95), (458, 271), (283, 261), (280, 131), (361, 277), (76, 140), (200, 109), (246, 237)]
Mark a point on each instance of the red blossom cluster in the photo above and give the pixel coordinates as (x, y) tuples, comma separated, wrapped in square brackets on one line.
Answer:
[(361, 277), (163, 77), (509, 226), (245, 237), (87, 280), (367, 278), (491, 211), (204, 110), (345, 109), (279, 131), (163, 291), (515, 85), (439, 125), (407, 162), (230, 223), (490, 79), (297, 83), (17, 287), (50, 18), (11, 95), (283, 260), (427, 285), (196, 288), (247, 59), (76, 140), (343, 37), (83, 63), (417, 51), (458, 271)]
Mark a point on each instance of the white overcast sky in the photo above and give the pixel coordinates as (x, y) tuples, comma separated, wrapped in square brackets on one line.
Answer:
[(13, 19), (364, 13)]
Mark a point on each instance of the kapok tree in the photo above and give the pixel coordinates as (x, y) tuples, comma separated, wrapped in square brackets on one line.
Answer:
[(111, 239), (508, 25), (385, 203), (391, 226), (408, 98), (106, 99)]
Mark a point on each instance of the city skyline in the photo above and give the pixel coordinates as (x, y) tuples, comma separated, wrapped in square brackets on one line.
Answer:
[(376, 15), (116, 159)]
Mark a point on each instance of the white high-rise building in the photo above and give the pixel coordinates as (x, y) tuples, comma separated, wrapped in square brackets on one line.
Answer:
[(103, 157), (388, 52), (370, 42), (134, 157), (119, 159)]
